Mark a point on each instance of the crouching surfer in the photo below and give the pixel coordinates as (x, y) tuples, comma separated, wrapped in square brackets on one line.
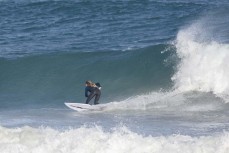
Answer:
[(92, 90)]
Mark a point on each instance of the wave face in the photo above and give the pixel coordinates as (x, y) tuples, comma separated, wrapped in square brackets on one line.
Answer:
[(54, 78), (49, 48)]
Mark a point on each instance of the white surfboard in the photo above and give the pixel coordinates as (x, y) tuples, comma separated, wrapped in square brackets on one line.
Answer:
[(84, 107)]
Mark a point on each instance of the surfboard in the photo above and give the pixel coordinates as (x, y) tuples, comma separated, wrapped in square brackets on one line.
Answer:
[(84, 107)]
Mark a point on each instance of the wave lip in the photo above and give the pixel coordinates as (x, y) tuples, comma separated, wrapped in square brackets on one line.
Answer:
[(203, 62)]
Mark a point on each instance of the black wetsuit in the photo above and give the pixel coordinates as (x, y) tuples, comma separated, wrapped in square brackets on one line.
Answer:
[(94, 91)]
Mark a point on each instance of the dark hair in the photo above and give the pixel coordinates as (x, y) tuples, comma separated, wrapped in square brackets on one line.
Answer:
[(98, 84)]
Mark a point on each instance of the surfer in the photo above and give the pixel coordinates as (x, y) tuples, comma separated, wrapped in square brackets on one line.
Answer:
[(94, 90)]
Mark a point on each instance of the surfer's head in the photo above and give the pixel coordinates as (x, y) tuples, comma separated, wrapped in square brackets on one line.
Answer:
[(88, 83)]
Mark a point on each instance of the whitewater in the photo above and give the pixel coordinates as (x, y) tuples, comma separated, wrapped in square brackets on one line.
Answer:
[(163, 67), (96, 140)]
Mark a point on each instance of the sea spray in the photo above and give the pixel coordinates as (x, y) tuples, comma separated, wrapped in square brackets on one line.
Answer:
[(203, 64), (172, 101)]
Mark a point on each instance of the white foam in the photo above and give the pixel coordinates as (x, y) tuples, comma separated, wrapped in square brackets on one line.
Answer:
[(94, 139), (153, 100), (172, 101), (204, 62)]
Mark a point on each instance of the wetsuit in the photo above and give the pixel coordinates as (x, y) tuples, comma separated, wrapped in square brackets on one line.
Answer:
[(94, 91)]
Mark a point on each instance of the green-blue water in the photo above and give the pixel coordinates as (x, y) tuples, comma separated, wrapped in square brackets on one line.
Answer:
[(53, 78), (162, 66)]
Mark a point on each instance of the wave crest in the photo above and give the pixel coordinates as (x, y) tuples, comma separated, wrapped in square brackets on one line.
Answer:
[(203, 62)]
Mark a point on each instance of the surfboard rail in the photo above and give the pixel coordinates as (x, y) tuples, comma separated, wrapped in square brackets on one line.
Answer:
[(83, 107)]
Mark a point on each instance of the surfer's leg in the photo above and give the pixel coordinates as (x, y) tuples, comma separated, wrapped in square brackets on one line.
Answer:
[(97, 99), (97, 96), (90, 97)]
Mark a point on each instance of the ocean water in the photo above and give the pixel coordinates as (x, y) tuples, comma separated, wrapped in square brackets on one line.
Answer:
[(163, 67)]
